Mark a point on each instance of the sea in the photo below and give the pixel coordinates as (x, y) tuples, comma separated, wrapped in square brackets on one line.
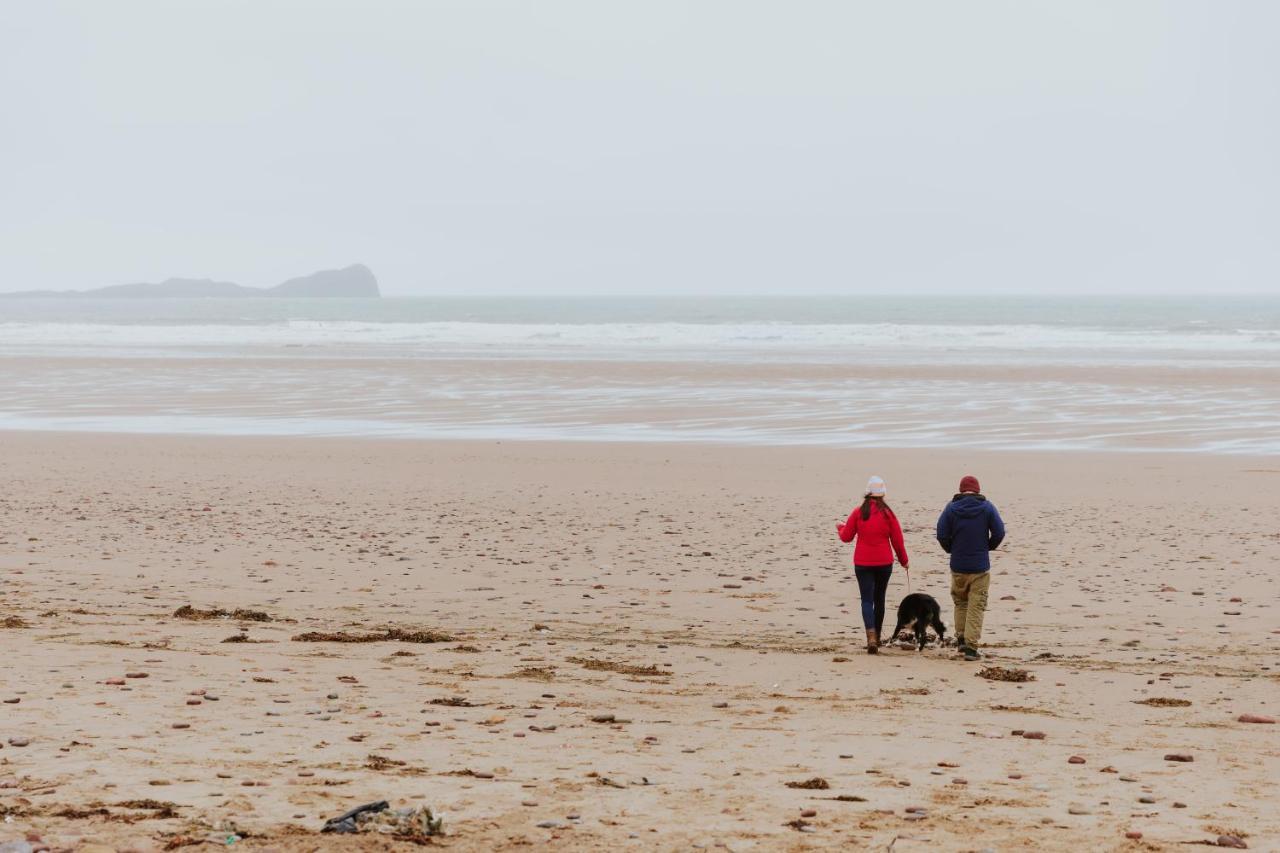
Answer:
[(1194, 374)]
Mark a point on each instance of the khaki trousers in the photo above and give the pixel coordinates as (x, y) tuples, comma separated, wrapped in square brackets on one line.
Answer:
[(969, 592)]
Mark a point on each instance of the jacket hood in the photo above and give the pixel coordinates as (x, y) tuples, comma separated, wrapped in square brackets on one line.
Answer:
[(968, 506)]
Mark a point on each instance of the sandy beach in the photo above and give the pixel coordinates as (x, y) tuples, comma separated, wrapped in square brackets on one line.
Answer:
[(636, 646)]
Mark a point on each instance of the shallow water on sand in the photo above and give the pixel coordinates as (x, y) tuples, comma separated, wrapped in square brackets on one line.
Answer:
[(1060, 374)]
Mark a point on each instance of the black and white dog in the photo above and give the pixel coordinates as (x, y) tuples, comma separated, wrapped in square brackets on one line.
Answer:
[(919, 611)]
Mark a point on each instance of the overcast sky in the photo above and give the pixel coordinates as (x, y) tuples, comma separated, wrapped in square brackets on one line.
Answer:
[(623, 147)]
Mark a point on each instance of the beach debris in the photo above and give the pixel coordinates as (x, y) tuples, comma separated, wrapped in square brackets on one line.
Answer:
[(186, 611), (382, 762), (1163, 702), (1075, 759), (614, 666), (14, 622), (817, 783), (453, 702), (166, 808), (346, 822), (407, 824), (1179, 756), (1000, 673), (1232, 841), (1033, 735), (1255, 718), (389, 635)]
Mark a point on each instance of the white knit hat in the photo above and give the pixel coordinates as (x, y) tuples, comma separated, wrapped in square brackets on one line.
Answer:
[(876, 487)]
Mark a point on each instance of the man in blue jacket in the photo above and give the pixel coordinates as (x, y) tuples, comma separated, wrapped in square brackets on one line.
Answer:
[(969, 529)]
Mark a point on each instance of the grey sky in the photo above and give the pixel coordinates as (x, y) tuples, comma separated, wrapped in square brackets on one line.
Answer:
[(681, 146)]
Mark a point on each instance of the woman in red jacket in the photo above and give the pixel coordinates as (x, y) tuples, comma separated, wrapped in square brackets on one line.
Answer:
[(879, 538)]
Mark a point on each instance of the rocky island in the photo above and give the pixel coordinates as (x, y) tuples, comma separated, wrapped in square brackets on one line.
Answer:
[(356, 280)]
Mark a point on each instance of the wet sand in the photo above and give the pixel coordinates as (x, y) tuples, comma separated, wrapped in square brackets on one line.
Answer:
[(697, 594), (1024, 400)]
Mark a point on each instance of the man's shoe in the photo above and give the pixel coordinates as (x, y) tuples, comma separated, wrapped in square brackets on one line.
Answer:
[(970, 653)]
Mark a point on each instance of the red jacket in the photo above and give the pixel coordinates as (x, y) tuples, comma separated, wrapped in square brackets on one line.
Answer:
[(875, 536)]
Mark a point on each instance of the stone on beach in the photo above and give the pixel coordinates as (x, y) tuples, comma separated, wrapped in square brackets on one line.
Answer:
[(1255, 718)]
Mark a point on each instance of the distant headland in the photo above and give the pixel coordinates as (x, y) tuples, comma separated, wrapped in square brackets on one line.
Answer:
[(356, 280)]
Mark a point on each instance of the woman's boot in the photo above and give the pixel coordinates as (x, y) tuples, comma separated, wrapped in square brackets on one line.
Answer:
[(873, 645)]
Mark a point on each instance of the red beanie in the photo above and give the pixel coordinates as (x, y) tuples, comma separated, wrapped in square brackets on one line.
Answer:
[(969, 483)]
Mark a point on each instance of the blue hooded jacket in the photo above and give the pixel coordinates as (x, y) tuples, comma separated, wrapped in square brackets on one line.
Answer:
[(968, 529)]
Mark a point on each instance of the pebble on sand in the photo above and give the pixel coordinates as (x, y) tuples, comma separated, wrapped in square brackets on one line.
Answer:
[(1075, 759), (1255, 718), (1033, 735), (1232, 841), (1179, 756)]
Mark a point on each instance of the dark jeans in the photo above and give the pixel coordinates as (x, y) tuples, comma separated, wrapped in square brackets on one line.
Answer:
[(873, 583)]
